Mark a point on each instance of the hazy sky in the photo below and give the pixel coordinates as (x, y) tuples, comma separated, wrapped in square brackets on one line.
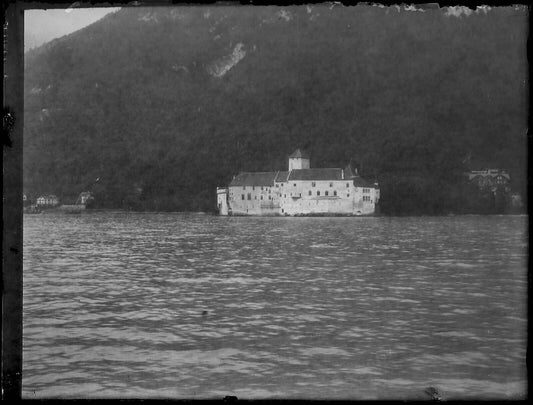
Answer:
[(41, 26)]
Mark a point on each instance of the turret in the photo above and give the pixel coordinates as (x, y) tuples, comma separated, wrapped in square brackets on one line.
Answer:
[(299, 160)]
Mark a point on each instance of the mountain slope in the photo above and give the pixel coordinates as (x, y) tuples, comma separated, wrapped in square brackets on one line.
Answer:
[(164, 104)]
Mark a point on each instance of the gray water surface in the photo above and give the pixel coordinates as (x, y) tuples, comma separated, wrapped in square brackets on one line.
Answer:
[(351, 308)]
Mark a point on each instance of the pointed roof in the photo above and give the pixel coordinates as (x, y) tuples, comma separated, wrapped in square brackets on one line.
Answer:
[(358, 181), (315, 174), (282, 177), (254, 179), (298, 153)]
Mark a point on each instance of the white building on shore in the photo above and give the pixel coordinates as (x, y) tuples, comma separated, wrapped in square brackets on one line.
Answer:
[(47, 200), (300, 191)]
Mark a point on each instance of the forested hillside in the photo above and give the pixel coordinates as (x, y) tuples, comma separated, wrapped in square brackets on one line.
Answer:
[(164, 104)]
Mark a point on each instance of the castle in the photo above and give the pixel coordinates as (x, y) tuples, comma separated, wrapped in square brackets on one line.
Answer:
[(300, 191)]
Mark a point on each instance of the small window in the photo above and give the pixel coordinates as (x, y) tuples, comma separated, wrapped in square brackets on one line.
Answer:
[(261, 197), (249, 196), (310, 192), (269, 197), (284, 195), (255, 197), (261, 188), (347, 185), (242, 195), (318, 192), (294, 184), (331, 184), (348, 195), (313, 184), (326, 193), (335, 193)]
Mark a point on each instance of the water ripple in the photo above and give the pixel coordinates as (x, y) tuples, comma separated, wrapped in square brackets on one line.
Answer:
[(195, 306)]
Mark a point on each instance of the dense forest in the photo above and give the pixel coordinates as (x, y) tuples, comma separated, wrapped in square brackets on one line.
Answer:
[(164, 104)]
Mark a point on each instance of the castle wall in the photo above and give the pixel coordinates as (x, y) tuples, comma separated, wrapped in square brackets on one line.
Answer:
[(222, 200), (333, 197), (281, 195), (253, 200), (296, 197)]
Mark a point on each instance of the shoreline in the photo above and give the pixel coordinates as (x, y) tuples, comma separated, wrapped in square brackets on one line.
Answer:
[(381, 215)]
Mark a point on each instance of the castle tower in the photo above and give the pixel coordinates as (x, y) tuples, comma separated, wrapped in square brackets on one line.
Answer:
[(299, 160)]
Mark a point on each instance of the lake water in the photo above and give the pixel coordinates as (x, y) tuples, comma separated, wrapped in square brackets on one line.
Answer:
[(351, 308)]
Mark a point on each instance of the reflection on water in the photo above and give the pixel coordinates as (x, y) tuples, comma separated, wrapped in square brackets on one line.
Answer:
[(198, 306)]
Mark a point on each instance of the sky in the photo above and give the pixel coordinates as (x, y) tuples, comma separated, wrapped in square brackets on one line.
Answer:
[(42, 26)]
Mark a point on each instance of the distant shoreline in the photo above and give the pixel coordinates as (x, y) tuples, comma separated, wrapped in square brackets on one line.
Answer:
[(118, 210)]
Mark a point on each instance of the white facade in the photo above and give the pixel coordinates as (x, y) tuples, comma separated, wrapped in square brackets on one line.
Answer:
[(47, 200), (298, 163), (300, 191), (253, 200), (85, 197), (222, 200), (331, 197)]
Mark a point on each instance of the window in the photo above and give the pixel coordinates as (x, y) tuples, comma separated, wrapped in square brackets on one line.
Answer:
[(249, 196), (284, 195), (261, 188), (261, 197), (348, 195), (347, 185), (294, 184), (335, 193), (318, 192), (253, 187), (242, 195), (313, 184), (331, 184), (326, 193), (310, 192), (255, 197)]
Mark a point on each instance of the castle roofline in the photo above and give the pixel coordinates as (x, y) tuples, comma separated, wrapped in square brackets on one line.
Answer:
[(254, 179), (298, 154), (316, 174)]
